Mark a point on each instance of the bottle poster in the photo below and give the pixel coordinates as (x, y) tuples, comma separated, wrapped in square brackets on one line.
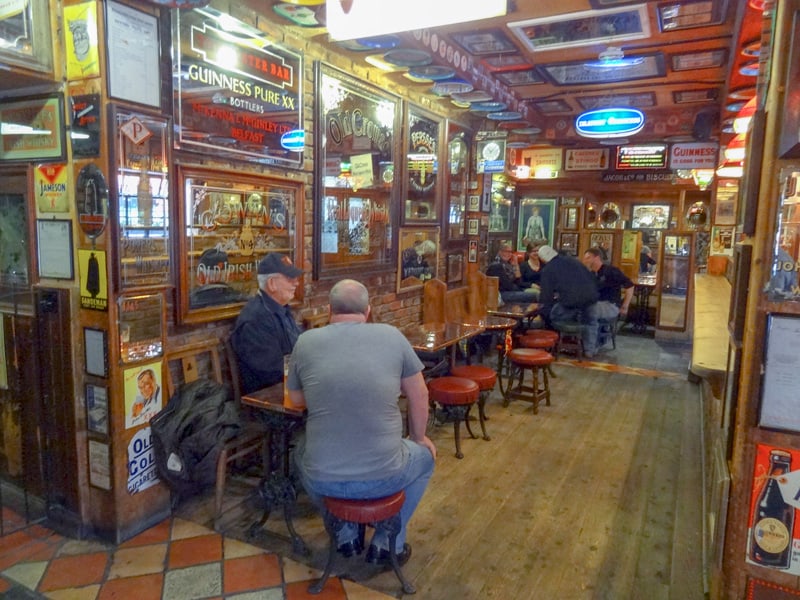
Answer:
[(773, 539)]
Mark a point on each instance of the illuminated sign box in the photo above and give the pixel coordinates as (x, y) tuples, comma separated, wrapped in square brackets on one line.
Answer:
[(652, 156), (609, 123)]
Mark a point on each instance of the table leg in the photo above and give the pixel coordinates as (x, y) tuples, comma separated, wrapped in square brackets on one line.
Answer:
[(276, 488)]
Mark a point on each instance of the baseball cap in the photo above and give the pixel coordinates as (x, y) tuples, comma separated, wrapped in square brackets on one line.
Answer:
[(278, 263), (546, 253)]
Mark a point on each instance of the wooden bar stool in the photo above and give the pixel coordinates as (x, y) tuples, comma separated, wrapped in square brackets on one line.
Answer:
[(543, 339), (534, 360), (380, 513), (485, 378), (455, 395), (570, 337)]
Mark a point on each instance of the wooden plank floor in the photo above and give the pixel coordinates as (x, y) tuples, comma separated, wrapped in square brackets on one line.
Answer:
[(597, 497)]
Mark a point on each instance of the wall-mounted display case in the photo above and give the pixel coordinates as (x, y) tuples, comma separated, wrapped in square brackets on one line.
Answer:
[(423, 144), (142, 155), (228, 223), (502, 202), (675, 278), (458, 146), (357, 142)]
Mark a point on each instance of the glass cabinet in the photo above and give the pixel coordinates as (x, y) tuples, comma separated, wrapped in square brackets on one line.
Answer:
[(674, 280)]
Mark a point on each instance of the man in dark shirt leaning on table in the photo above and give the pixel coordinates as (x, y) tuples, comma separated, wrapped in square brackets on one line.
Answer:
[(265, 330), (569, 292), (349, 375)]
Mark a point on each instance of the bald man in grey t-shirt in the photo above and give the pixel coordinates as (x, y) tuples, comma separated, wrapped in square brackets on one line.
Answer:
[(349, 375)]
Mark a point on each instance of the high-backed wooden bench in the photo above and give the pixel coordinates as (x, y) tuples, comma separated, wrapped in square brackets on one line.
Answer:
[(440, 305)]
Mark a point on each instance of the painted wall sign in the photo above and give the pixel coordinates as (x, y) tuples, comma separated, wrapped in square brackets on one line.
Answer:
[(81, 51), (32, 129), (91, 199), (50, 182), (85, 134), (142, 472), (638, 177), (238, 92), (609, 122), (540, 160), (697, 155), (586, 159)]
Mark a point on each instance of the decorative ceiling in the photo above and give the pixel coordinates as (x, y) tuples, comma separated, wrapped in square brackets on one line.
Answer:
[(535, 69)]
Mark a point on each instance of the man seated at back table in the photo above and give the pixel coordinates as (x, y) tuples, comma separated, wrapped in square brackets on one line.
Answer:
[(569, 292), (610, 283), (349, 375)]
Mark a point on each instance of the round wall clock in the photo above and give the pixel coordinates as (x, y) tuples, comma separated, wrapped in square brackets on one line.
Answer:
[(491, 151)]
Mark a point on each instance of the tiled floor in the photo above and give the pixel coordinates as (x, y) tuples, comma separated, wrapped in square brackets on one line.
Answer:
[(173, 560)]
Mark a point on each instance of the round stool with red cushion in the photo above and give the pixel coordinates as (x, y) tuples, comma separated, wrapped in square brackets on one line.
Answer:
[(534, 360), (455, 395), (543, 339), (383, 513), (485, 378)]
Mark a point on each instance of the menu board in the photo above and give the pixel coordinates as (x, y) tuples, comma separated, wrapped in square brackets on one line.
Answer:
[(642, 157)]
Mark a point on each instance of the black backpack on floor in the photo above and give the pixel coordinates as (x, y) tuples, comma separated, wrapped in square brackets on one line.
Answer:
[(188, 435)]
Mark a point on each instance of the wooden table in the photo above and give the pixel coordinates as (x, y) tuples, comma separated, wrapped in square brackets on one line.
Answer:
[(643, 288), (516, 311), (435, 337), (277, 489)]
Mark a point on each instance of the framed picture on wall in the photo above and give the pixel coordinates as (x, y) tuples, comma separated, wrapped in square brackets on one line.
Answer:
[(569, 217), (418, 257), (472, 226), (232, 221), (473, 251), (536, 221), (568, 243), (726, 202), (605, 242)]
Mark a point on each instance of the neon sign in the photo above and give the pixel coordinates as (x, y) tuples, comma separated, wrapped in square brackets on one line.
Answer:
[(609, 122)]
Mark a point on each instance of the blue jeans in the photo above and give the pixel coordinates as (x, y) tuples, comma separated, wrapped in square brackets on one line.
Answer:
[(587, 316), (521, 296), (413, 479)]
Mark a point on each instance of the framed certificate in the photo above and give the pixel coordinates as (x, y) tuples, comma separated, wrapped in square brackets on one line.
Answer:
[(95, 347), (779, 399), (134, 66), (54, 241)]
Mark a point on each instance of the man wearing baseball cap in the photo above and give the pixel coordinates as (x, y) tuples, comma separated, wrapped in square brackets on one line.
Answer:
[(266, 330)]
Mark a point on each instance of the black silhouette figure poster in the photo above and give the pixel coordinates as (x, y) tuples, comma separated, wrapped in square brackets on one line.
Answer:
[(93, 279)]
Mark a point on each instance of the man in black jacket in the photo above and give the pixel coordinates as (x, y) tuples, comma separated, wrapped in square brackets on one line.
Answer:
[(266, 331), (569, 292)]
